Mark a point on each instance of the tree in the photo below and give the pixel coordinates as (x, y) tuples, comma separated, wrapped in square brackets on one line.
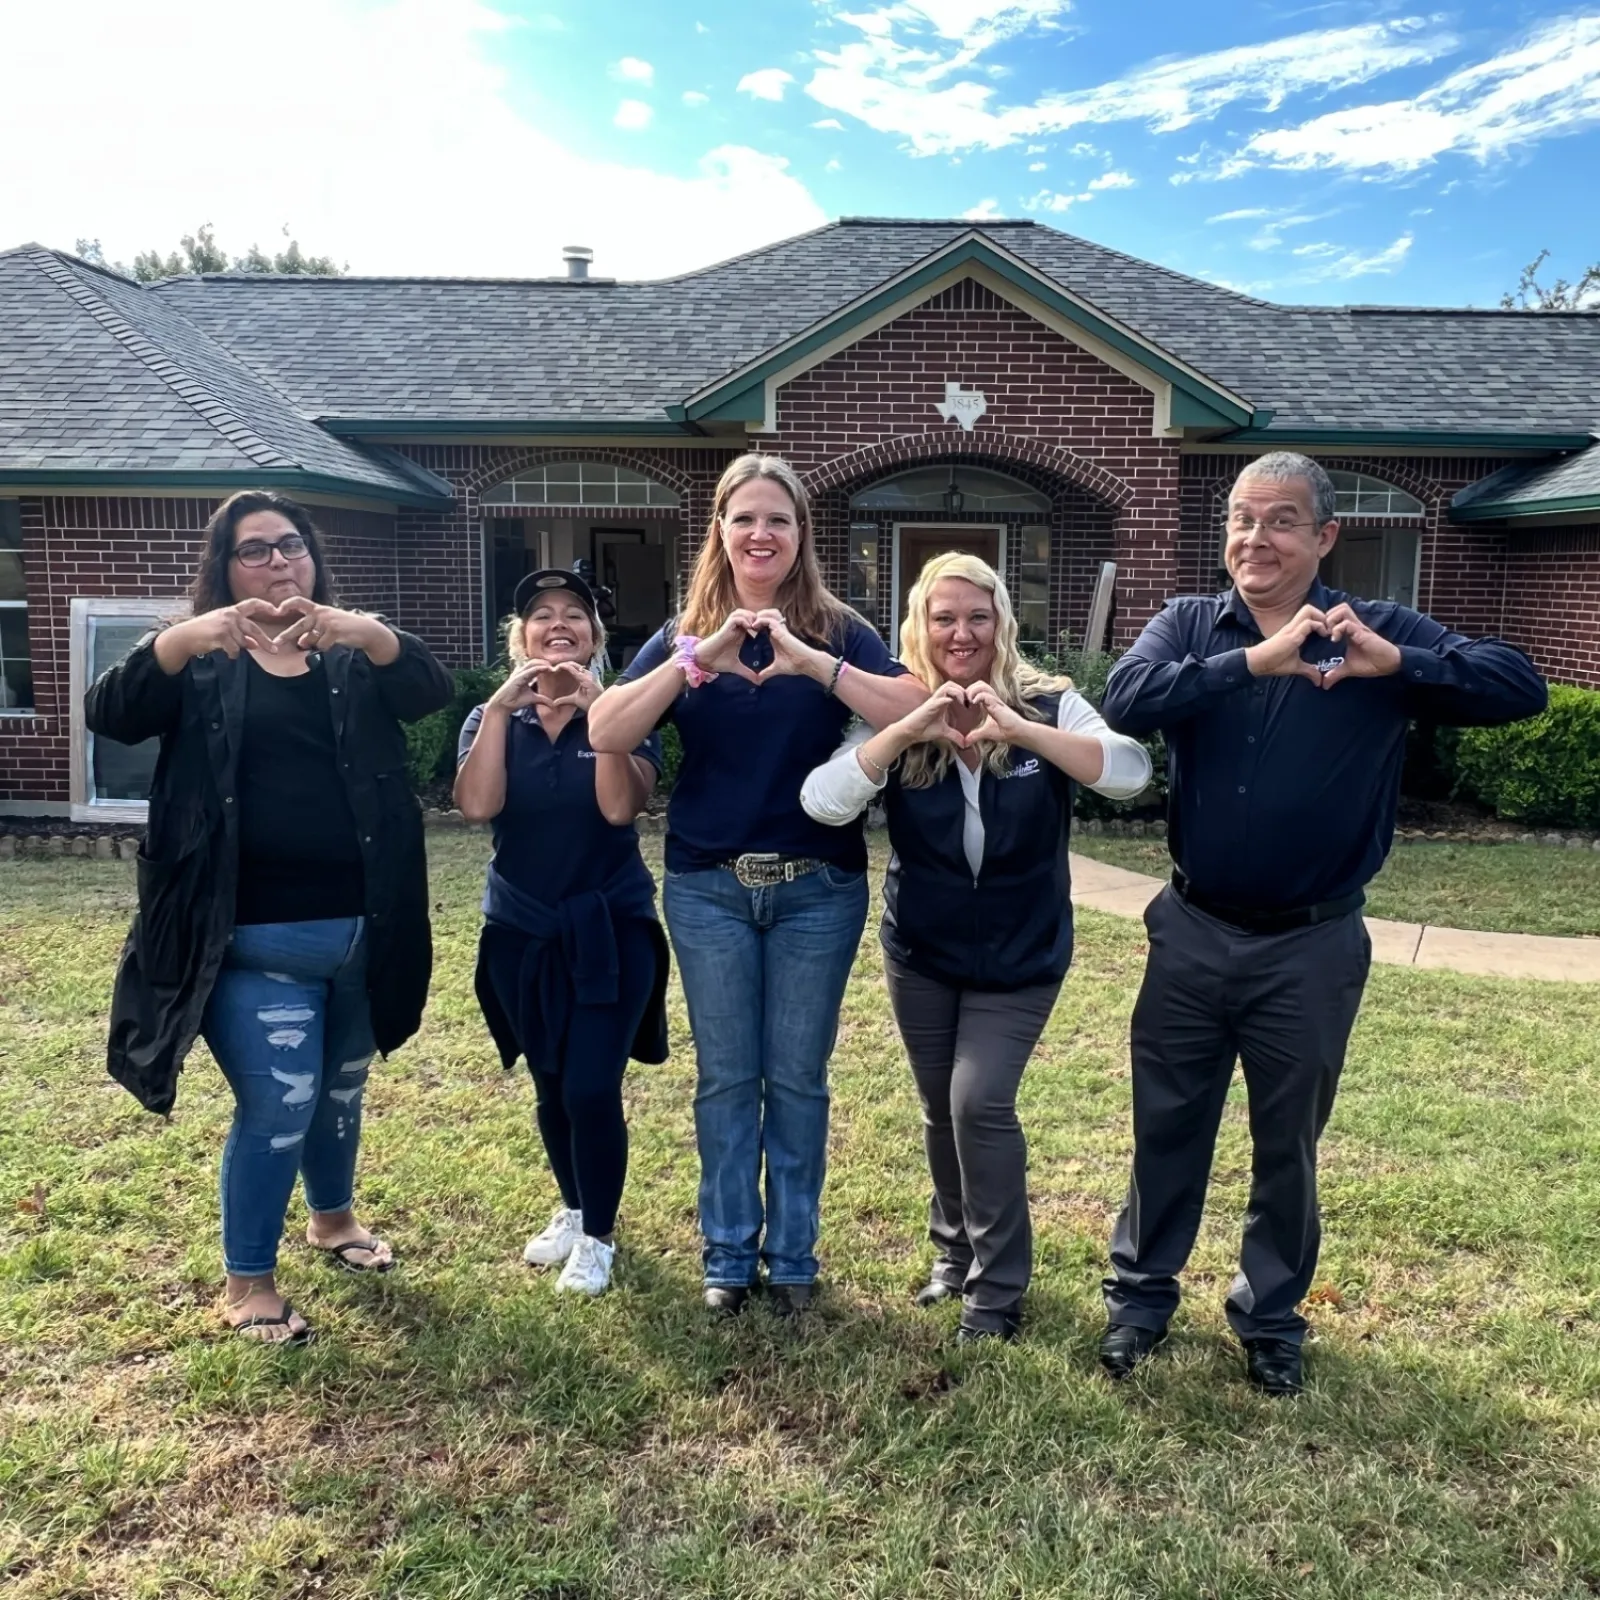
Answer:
[(1531, 295), (202, 253)]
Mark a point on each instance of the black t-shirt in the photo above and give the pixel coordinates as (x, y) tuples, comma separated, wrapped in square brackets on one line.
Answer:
[(299, 854), (551, 840)]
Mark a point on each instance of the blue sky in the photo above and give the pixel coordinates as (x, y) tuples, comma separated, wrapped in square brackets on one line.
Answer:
[(1335, 152)]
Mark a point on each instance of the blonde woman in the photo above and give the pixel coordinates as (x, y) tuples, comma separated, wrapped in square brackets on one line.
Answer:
[(572, 964), (977, 926), (761, 673)]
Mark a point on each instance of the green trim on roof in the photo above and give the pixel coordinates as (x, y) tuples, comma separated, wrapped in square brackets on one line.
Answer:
[(1189, 411), (411, 427), (1505, 510), (969, 252), (257, 478), (1414, 438)]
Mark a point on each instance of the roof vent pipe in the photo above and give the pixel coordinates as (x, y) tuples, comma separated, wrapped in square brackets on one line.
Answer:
[(577, 258)]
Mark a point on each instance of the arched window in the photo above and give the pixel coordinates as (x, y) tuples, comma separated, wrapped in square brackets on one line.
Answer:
[(1357, 495), (950, 489), (580, 483)]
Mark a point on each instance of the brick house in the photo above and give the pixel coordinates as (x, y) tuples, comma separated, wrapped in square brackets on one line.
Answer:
[(1073, 414)]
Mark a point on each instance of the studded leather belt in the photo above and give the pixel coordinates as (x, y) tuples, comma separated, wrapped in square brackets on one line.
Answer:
[(764, 869)]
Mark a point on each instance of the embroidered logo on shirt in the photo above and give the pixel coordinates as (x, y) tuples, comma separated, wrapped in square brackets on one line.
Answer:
[(1026, 769), (586, 755)]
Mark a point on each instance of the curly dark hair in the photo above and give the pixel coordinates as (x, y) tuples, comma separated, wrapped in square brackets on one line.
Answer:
[(211, 590)]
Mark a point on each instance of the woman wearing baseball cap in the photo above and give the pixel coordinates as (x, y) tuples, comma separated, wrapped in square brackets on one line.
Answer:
[(572, 963)]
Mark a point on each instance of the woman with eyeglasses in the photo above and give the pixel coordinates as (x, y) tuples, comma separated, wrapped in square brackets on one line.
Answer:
[(283, 893)]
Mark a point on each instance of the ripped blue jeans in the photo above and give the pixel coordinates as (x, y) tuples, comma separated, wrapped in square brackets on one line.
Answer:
[(289, 1024)]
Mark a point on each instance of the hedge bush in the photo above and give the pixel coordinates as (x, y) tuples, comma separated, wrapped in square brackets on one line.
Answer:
[(1544, 771)]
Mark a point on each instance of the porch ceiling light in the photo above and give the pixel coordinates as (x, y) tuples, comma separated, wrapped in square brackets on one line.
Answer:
[(954, 500)]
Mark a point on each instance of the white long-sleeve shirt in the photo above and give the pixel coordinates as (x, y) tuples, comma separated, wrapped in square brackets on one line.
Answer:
[(839, 790)]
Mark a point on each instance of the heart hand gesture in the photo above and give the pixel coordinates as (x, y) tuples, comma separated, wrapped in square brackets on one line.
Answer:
[(931, 719), (1366, 654), (584, 690), (720, 652), (792, 657), (1279, 656), (1000, 724), (314, 627)]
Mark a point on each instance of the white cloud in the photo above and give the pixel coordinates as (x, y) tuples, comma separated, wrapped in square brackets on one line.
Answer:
[(409, 94), (1245, 213), (700, 27), (829, 122), (1547, 85), (984, 211), (1338, 264), (767, 84), (693, 97), (1112, 180), (1269, 236), (630, 69), (915, 71), (1049, 200), (633, 115), (834, 165), (1036, 166), (1036, 149), (1321, 248)]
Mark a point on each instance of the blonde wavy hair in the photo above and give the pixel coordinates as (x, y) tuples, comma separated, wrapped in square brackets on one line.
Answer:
[(516, 628), (808, 606), (1018, 682)]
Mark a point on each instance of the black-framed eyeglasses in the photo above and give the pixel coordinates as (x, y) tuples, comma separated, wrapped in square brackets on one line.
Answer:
[(258, 552)]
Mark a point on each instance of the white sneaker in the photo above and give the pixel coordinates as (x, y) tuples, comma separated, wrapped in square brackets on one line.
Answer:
[(554, 1245), (588, 1268)]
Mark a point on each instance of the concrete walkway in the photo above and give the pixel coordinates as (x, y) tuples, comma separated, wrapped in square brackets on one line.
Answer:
[(1398, 944)]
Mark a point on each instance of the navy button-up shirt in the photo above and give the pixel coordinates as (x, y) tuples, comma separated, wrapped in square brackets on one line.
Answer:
[(1283, 794)]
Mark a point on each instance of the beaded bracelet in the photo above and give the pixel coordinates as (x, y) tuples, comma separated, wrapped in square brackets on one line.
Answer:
[(838, 672), (683, 658)]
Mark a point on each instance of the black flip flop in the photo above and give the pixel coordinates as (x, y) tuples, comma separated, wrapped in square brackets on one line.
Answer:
[(338, 1255), (301, 1337)]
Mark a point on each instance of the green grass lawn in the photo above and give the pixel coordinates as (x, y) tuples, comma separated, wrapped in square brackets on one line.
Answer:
[(1507, 888), (459, 1431)]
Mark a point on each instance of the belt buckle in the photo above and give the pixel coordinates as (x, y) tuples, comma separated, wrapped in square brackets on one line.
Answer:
[(758, 869)]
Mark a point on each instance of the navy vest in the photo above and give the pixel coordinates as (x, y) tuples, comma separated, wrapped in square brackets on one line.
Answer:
[(1013, 927)]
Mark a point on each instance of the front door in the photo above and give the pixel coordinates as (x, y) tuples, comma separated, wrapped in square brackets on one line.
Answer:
[(917, 543)]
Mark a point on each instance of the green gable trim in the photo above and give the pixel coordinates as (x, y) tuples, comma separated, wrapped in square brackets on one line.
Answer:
[(412, 427), (1420, 439), (1189, 411), (1505, 510), (226, 482), (972, 252)]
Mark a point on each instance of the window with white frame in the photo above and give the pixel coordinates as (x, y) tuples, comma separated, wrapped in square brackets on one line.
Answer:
[(949, 489), (16, 665), (581, 483), (109, 781), (1033, 582), (1357, 495)]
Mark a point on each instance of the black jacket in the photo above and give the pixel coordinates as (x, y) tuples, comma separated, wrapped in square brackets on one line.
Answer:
[(188, 866), (1012, 927)]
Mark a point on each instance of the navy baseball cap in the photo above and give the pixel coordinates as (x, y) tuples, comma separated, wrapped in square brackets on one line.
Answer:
[(547, 579)]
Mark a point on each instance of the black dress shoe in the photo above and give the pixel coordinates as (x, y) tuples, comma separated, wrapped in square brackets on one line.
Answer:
[(1274, 1366), (1123, 1347), (1010, 1328), (936, 1293), (724, 1300), (789, 1299)]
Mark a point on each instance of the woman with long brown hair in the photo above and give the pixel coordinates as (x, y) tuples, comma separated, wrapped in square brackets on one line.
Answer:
[(978, 783), (283, 886), (761, 674)]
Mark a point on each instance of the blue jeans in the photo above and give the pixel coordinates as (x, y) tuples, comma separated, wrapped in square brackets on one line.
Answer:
[(763, 972), (290, 1026)]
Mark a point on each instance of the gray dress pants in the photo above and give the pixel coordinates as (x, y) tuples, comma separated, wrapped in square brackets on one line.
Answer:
[(967, 1049), (1284, 1005)]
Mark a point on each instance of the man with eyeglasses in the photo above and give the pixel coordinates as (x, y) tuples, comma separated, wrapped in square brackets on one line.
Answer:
[(1285, 706)]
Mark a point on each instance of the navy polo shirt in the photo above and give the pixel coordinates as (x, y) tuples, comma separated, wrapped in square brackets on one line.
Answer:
[(747, 749), (551, 839), (1283, 794)]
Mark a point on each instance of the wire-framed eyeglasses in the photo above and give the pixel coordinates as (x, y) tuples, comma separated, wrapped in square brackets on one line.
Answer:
[(1248, 524)]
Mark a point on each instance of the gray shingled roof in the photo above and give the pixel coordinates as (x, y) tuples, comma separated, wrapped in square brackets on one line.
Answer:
[(103, 376), (1514, 490), (465, 350)]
